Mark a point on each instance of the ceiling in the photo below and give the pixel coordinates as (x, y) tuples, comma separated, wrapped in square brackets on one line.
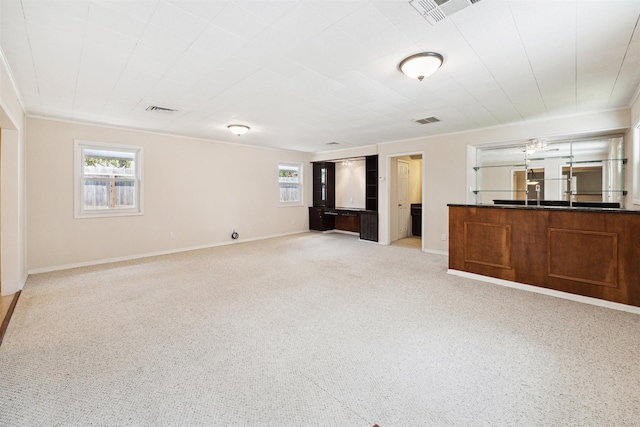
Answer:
[(303, 74)]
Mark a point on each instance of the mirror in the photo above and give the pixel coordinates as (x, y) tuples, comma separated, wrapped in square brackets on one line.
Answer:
[(350, 183), (540, 171)]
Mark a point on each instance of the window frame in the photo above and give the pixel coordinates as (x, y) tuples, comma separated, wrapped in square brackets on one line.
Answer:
[(79, 149), (300, 183)]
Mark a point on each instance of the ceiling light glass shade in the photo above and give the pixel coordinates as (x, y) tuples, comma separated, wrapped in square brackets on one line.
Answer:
[(539, 144), (239, 129), (421, 65)]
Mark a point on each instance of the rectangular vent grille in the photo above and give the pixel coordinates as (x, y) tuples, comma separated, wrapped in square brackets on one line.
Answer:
[(432, 119), (156, 109), (435, 11), (429, 10)]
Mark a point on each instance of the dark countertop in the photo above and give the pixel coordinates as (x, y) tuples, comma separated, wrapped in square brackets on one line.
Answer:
[(549, 208), (346, 210), (339, 208)]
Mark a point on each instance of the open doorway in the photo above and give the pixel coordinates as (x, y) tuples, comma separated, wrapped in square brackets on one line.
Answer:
[(405, 198), (530, 186)]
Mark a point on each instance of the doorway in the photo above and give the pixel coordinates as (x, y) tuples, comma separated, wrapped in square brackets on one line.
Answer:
[(402, 191), (405, 200), (0, 214), (530, 186)]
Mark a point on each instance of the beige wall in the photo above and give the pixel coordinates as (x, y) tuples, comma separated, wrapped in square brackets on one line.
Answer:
[(447, 174), (199, 190), (13, 258), (448, 159)]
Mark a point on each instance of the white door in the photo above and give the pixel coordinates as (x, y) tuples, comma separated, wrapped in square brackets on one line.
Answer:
[(403, 199)]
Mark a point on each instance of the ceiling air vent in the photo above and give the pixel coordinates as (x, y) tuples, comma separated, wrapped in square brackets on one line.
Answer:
[(432, 119), (435, 11), (163, 110)]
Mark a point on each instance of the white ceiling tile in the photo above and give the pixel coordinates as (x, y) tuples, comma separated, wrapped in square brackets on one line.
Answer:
[(294, 28), (133, 85), (190, 69), (204, 10), (215, 41), (270, 11), (106, 53), (178, 22), (161, 38), (396, 12), (260, 55), (114, 21), (367, 22), (57, 15), (329, 67), (85, 102), (320, 63), (166, 90), (139, 9), (239, 21)]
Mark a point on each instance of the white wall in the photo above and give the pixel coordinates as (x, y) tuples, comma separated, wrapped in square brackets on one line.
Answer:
[(199, 190), (13, 259)]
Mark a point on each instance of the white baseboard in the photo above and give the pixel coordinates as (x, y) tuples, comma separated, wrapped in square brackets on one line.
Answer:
[(549, 292), (433, 251), (151, 254)]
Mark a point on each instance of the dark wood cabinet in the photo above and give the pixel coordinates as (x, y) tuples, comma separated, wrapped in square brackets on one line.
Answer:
[(320, 220), (586, 251), (369, 226), (371, 183), (323, 216), (324, 185)]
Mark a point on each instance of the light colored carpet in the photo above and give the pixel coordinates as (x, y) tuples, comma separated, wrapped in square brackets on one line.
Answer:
[(310, 330)]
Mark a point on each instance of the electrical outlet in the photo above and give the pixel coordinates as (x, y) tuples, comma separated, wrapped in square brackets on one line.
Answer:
[(172, 235), (443, 237)]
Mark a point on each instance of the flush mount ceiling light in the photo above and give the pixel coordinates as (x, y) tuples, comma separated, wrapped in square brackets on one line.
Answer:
[(539, 144), (239, 129), (421, 65)]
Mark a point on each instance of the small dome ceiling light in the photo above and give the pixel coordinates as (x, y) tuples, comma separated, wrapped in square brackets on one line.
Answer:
[(421, 65), (239, 129)]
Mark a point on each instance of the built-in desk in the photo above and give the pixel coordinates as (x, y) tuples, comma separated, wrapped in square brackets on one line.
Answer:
[(584, 251), (359, 221)]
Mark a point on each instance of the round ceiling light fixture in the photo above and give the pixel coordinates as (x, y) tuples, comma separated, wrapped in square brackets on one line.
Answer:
[(239, 129), (421, 65)]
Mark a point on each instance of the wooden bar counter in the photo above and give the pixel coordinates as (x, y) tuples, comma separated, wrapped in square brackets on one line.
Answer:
[(584, 251)]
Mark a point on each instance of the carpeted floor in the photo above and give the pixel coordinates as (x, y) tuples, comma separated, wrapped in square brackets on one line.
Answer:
[(310, 330)]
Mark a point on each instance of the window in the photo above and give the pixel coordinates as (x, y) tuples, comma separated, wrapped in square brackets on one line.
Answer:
[(107, 180), (290, 183)]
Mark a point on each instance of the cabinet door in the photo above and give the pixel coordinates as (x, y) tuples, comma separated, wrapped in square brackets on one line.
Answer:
[(369, 226), (324, 189), (318, 220)]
